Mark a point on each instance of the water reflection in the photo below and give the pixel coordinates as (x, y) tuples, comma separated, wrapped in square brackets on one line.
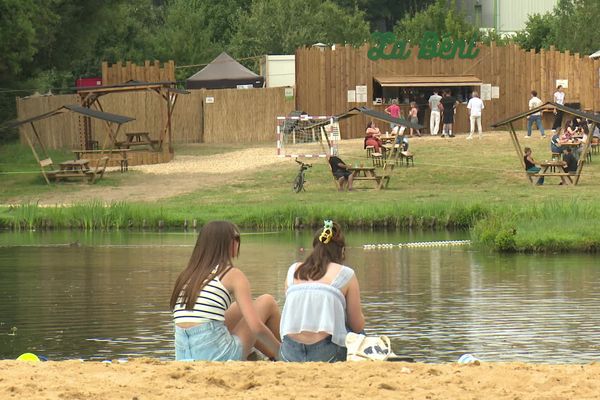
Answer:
[(106, 296)]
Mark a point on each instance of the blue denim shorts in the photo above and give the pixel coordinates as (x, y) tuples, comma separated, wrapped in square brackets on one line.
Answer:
[(210, 341), (322, 351)]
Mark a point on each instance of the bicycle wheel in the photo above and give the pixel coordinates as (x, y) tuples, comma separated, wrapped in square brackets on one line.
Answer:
[(299, 183)]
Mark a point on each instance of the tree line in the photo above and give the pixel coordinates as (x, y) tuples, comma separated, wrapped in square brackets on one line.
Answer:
[(46, 45)]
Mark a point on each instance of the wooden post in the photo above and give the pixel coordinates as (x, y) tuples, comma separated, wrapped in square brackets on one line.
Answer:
[(515, 141)]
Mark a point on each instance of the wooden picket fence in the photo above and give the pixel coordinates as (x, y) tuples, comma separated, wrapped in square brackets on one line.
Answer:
[(119, 72)]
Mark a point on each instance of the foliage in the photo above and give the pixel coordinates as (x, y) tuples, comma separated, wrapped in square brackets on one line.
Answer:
[(570, 26), (382, 15), (440, 18), (281, 26)]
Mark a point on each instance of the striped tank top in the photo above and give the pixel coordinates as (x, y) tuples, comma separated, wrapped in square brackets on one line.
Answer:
[(212, 302)]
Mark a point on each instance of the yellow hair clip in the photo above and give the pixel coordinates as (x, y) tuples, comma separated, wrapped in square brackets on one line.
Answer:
[(327, 233)]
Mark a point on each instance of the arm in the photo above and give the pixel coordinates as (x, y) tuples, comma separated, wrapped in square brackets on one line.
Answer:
[(240, 287), (356, 319), (387, 110)]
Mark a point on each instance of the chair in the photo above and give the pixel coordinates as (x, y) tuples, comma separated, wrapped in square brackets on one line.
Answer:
[(408, 156), (48, 174), (369, 150), (377, 159), (386, 173)]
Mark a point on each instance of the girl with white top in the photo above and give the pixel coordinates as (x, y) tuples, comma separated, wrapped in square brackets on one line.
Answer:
[(322, 302), (208, 324)]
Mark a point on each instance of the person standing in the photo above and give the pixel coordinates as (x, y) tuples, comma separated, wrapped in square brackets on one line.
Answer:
[(394, 111), (414, 117), (434, 119), (475, 105), (536, 117), (559, 98), (449, 103)]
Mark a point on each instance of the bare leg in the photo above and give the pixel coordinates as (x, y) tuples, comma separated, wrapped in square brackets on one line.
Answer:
[(350, 180), (341, 183), (268, 312)]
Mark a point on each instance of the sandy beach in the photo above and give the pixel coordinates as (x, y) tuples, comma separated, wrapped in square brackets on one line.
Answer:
[(147, 379)]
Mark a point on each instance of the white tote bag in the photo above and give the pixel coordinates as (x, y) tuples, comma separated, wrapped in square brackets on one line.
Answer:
[(363, 348)]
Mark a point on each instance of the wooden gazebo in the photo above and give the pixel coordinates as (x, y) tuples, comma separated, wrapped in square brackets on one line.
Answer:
[(43, 157), (90, 98), (591, 118)]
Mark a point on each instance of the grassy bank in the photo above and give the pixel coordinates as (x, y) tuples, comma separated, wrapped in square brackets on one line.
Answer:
[(474, 185)]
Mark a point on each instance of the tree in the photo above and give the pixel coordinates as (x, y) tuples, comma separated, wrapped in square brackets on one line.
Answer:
[(441, 18), (383, 15), (281, 26), (570, 26)]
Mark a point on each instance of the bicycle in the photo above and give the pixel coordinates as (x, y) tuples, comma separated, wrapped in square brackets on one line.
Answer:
[(300, 180)]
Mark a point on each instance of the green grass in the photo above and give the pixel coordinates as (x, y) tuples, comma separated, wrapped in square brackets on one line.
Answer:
[(477, 185)]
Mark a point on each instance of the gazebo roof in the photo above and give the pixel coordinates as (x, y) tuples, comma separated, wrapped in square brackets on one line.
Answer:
[(549, 105), (371, 113), (118, 119)]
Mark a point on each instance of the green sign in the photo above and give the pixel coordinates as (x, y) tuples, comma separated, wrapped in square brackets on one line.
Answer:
[(430, 47)]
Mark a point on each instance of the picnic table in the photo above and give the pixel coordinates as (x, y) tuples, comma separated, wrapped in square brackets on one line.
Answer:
[(365, 174), (139, 139), (79, 169), (119, 155), (557, 165)]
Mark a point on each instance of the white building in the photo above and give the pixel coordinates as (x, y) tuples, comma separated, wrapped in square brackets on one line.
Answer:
[(279, 70), (505, 16)]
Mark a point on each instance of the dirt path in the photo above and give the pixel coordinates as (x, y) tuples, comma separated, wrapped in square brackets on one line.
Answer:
[(184, 174)]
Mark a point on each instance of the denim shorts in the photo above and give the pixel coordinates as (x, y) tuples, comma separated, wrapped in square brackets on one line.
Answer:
[(210, 341), (322, 351)]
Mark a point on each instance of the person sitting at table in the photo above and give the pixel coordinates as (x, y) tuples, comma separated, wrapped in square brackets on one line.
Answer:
[(372, 137), (556, 143), (340, 171), (401, 138), (530, 165), (570, 161)]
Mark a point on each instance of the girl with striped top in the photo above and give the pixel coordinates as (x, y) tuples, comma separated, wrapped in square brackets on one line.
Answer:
[(209, 325)]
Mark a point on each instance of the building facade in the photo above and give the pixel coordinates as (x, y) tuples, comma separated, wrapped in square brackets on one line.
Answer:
[(505, 16)]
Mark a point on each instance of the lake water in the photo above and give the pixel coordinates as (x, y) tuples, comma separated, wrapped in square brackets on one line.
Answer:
[(105, 295)]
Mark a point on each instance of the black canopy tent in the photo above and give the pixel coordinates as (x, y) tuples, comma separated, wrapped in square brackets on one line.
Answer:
[(46, 161), (549, 105), (222, 73)]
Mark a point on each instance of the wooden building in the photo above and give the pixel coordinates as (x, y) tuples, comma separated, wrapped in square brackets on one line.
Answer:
[(332, 81)]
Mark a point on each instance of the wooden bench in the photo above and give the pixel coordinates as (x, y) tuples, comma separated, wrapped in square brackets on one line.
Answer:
[(117, 155), (562, 175), (139, 139)]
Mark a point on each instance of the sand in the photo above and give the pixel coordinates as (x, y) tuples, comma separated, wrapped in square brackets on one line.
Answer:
[(146, 379)]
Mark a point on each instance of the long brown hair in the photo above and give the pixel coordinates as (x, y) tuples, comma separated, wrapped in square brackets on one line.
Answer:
[(315, 265), (213, 249)]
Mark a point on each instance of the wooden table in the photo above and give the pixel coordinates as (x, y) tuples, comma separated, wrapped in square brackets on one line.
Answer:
[(391, 138), (79, 169), (565, 177), (138, 139), (119, 155), (365, 174)]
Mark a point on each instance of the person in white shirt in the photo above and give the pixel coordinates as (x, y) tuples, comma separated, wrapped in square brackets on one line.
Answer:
[(434, 119), (535, 102), (475, 105), (559, 98)]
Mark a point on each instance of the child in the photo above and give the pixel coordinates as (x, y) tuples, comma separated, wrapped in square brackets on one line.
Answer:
[(322, 302), (530, 165), (208, 326), (413, 114), (401, 137)]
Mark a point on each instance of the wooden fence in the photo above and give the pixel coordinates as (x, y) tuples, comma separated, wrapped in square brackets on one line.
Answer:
[(323, 78), (234, 115), (149, 72)]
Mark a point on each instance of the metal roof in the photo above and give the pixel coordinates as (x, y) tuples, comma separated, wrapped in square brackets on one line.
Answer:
[(372, 113), (549, 105), (118, 119)]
